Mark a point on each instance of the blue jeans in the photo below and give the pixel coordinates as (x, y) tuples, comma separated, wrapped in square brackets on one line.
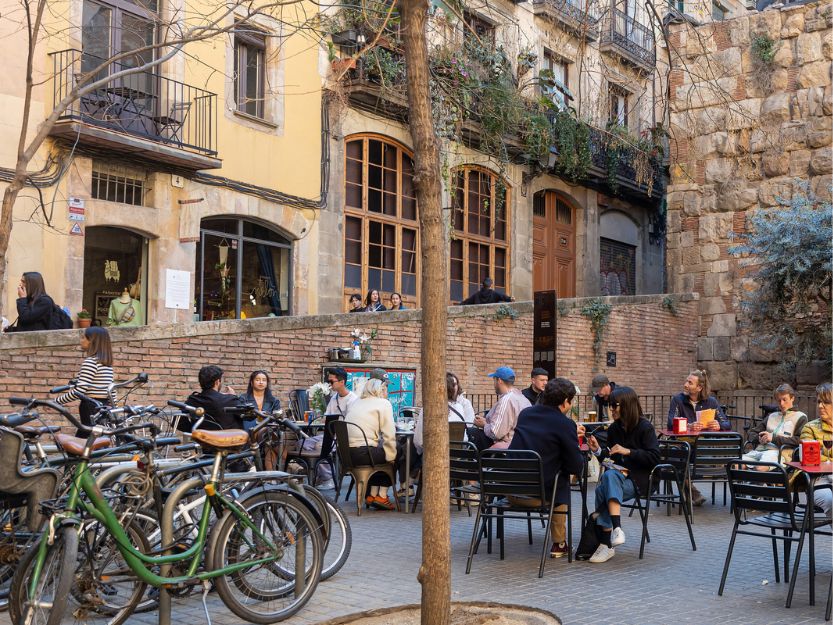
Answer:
[(612, 485)]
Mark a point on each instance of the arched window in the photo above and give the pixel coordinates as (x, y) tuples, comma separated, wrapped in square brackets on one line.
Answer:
[(480, 242), (380, 222), (243, 270)]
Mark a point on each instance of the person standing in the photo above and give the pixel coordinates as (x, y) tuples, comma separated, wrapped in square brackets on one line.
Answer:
[(340, 398), (487, 295), (602, 387), (259, 393), (356, 303), (540, 377), (34, 306), (546, 429), (396, 302), (373, 302), (498, 425), (94, 378)]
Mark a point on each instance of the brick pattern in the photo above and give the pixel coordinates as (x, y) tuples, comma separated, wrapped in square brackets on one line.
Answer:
[(655, 349)]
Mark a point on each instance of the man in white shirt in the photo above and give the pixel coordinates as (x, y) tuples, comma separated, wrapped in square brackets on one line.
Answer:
[(340, 399)]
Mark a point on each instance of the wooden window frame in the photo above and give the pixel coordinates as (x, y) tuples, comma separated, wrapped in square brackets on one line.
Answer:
[(366, 216), (247, 38), (474, 22), (467, 238), (614, 92)]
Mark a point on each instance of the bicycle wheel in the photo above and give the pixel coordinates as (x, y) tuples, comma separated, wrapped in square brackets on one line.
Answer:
[(49, 602), (339, 538), (271, 592), (15, 540)]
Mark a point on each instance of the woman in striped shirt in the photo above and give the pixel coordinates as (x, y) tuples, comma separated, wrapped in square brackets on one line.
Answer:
[(96, 374)]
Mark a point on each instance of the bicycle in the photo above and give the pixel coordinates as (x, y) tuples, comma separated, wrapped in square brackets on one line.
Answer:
[(267, 532)]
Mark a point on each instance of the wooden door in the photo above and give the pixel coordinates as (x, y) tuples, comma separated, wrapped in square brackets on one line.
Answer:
[(553, 245)]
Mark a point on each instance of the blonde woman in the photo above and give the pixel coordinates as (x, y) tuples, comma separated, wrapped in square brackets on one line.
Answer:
[(373, 413), (821, 430)]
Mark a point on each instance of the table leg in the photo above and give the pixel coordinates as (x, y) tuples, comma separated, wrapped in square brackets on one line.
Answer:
[(812, 529), (584, 478), (407, 473)]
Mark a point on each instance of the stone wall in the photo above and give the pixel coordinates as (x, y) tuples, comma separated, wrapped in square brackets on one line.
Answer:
[(743, 132), (655, 348)]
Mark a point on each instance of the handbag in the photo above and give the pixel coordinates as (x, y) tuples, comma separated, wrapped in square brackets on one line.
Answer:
[(128, 314), (589, 539), (478, 438)]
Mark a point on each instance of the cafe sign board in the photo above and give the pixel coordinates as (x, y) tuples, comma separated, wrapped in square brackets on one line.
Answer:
[(545, 331)]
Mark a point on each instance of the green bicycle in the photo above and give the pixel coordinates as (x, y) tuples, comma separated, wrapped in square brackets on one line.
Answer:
[(264, 552)]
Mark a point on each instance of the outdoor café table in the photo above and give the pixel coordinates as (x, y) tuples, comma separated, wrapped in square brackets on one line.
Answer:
[(405, 436), (813, 473)]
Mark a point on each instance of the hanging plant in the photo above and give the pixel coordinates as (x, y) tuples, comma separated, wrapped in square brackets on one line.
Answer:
[(599, 314)]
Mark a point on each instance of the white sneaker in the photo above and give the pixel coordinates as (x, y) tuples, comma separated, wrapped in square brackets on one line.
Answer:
[(328, 485), (617, 537), (603, 553)]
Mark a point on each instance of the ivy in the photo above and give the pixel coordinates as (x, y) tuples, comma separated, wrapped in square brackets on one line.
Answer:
[(669, 303), (599, 314), (572, 140), (506, 312), (764, 49), (787, 304)]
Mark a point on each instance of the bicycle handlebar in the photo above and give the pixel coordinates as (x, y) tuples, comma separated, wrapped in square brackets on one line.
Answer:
[(197, 412), (14, 419)]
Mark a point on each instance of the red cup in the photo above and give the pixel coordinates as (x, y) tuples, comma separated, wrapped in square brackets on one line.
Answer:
[(811, 453), (680, 425)]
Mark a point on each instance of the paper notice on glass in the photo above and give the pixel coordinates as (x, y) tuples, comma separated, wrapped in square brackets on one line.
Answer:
[(177, 289)]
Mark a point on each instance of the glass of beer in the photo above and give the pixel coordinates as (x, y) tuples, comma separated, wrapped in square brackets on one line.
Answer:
[(591, 416)]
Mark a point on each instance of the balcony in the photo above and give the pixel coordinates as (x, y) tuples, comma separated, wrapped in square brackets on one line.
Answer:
[(368, 90), (628, 182), (144, 115), (571, 14), (631, 41)]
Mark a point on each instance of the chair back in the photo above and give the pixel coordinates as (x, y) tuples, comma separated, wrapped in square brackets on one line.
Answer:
[(755, 489), (408, 412), (456, 431), (505, 472), (327, 440), (340, 430), (465, 461), (677, 454), (713, 450), (298, 402)]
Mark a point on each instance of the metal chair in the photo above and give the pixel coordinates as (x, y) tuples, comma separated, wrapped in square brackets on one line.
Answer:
[(169, 127), (712, 450), (764, 486), (456, 434), (311, 459), (359, 474), (298, 403)]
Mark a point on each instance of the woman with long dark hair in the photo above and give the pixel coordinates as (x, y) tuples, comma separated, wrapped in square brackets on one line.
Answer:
[(259, 392), (631, 452), (95, 377), (373, 302), (396, 302), (34, 306)]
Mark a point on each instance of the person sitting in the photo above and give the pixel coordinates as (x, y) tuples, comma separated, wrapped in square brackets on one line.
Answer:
[(695, 398), (341, 398), (602, 387), (487, 295), (545, 428), (498, 425), (259, 393), (537, 384), (821, 430), (633, 449), (373, 413), (213, 402), (779, 428)]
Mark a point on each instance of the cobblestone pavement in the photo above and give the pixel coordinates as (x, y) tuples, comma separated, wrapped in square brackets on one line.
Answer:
[(672, 584)]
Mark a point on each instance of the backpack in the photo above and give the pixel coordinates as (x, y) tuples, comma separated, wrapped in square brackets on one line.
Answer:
[(59, 319)]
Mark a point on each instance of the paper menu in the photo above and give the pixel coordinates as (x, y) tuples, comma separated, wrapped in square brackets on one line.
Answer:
[(706, 416)]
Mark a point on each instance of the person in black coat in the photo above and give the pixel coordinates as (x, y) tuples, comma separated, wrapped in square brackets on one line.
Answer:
[(631, 453), (214, 402), (34, 306), (487, 295), (546, 429)]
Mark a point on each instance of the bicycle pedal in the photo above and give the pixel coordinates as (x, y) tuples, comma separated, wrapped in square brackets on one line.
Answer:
[(206, 588)]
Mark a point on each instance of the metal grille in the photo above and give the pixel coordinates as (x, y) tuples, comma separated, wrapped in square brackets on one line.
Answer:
[(618, 268), (114, 188)]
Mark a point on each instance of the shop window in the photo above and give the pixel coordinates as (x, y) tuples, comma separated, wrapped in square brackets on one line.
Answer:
[(480, 242), (618, 267), (380, 225), (115, 276), (243, 271), (114, 188)]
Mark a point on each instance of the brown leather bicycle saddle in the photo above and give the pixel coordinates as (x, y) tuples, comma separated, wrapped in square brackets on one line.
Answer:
[(221, 439), (75, 446), (31, 431)]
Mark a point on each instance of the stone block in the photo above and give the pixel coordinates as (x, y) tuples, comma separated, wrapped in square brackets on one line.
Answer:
[(771, 190), (793, 136), (672, 240), (712, 305), (815, 101), (711, 285), (755, 375), (760, 140), (743, 114), (820, 186), (720, 266), (778, 80), (800, 163), (729, 61), (739, 31), (819, 138), (691, 203), (725, 282), (723, 376), (740, 348), (704, 146), (792, 25), (687, 239), (784, 56), (723, 325), (710, 120), (709, 252), (722, 348), (827, 49), (735, 195), (808, 48), (814, 75), (812, 373), (821, 162), (766, 23), (705, 350), (719, 170), (827, 101), (714, 227), (775, 109), (674, 221), (775, 163)]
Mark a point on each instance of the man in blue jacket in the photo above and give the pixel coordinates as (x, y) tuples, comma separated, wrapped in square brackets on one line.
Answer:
[(546, 429)]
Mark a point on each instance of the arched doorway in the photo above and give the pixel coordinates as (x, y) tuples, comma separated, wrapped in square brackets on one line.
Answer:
[(115, 262), (553, 244), (243, 270)]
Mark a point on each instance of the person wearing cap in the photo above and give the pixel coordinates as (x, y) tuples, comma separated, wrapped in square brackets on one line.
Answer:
[(602, 387), (379, 374), (487, 295), (499, 423), (540, 377)]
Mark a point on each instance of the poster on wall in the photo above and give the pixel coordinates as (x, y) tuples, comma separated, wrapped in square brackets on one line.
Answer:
[(177, 289), (401, 384)]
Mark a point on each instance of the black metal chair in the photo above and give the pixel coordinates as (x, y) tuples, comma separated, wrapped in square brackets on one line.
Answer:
[(512, 474), (712, 450), (456, 434), (311, 459), (764, 486), (298, 403)]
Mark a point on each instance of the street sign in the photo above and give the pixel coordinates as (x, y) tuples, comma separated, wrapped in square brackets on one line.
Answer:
[(545, 331)]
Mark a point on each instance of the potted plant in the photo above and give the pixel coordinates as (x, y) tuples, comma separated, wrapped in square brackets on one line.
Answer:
[(84, 318)]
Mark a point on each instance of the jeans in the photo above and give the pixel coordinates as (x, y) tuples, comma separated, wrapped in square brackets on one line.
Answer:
[(612, 485)]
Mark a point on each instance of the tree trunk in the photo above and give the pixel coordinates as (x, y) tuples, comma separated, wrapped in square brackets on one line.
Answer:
[(6, 213), (435, 572)]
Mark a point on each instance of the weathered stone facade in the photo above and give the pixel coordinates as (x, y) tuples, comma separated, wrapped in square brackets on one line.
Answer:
[(744, 130)]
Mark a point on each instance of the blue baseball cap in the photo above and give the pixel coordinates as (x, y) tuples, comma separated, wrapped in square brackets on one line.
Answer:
[(503, 373)]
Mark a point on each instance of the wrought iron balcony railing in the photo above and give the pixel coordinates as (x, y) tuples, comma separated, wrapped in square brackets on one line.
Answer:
[(579, 16), (631, 40), (144, 104)]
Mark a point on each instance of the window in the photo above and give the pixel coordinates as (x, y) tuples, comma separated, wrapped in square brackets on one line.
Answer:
[(560, 69), (380, 229), (677, 4), (243, 271), (475, 25), (249, 70), (718, 12), (618, 267), (618, 105), (114, 188), (480, 241)]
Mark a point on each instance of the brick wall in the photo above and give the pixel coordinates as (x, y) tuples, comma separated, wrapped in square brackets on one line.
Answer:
[(655, 349)]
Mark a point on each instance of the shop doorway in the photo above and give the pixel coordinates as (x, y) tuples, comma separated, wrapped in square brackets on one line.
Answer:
[(115, 263)]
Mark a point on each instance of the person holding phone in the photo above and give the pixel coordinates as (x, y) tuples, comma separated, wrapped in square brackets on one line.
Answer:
[(821, 429), (633, 452), (210, 399), (779, 428)]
